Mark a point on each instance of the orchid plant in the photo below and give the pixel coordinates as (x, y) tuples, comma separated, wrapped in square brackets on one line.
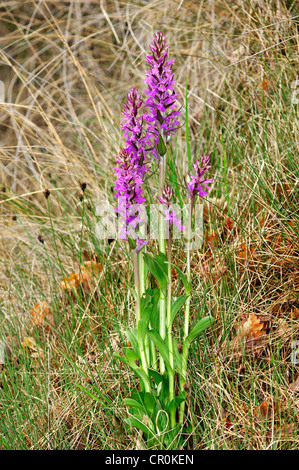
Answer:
[(159, 362)]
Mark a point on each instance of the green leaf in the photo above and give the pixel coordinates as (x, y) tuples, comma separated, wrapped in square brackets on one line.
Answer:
[(129, 358), (134, 293), (173, 405), (176, 306), (91, 395), (177, 357), (146, 299), (161, 346), (132, 338), (131, 403), (157, 269), (201, 326), (162, 260), (149, 403), (148, 313), (161, 147), (186, 283), (158, 378), (155, 317), (135, 423), (141, 330)]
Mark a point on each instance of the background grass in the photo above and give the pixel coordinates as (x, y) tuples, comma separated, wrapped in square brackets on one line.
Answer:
[(67, 67)]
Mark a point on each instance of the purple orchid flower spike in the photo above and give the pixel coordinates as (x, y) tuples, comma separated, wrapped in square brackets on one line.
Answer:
[(129, 192), (161, 94), (134, 129), (198, 183), (169, 213)]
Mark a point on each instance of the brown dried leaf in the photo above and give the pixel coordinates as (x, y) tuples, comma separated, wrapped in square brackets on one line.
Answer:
[(87, 277), (70, 283), (41, 312), (89, 273), (281, 431), (267, 409), (212, 240), (295, 385), (252, 328), (264, 84), (247, 252), (249, 334), (29, 343), (295, 313)]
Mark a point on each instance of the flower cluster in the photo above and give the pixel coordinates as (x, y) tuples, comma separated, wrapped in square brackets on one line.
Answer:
[(169, 213), (198, 183), (134, 128), (142, 133), (161, 94), (129, 193)]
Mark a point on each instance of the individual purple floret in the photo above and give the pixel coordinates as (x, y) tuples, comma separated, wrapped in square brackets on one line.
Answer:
[(198, 181), (169, 213), (130, 197), (161, 94), (134, 128)]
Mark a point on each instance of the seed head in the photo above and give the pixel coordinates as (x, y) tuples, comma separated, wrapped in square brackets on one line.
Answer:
[(47, 193)]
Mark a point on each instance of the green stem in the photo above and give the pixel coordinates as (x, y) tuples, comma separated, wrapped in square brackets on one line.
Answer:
[(187, 309), (142, 290), (137, 278), (162, 249), (169, 334), (187, 317), (141, 273), (137, 285)]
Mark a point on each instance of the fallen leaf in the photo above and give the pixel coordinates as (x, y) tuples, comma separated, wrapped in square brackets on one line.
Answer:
[(281, 430), (86, 278), (266, 409), (29, 343), (246, 252), (252, 328), (295, 385), (295, 313), (212, 241), (249, 334), (264, 85), (89, 274), (41, 314), (70, 283)]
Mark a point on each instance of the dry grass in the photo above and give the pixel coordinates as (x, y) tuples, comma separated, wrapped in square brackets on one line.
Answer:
[(67, 67)]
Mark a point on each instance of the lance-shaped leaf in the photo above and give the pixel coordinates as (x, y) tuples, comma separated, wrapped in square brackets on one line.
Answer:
[(173, 405), (149, 403), (201, 326), (182, 276), (132, 337), (161, 146), (146, 299), (161, 258), (158, 269), (147, 314), (131, 403), (158, 378), (161, 346), (176, 306), (177, 357), (155, 317), (135, 423), (132, 359)]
